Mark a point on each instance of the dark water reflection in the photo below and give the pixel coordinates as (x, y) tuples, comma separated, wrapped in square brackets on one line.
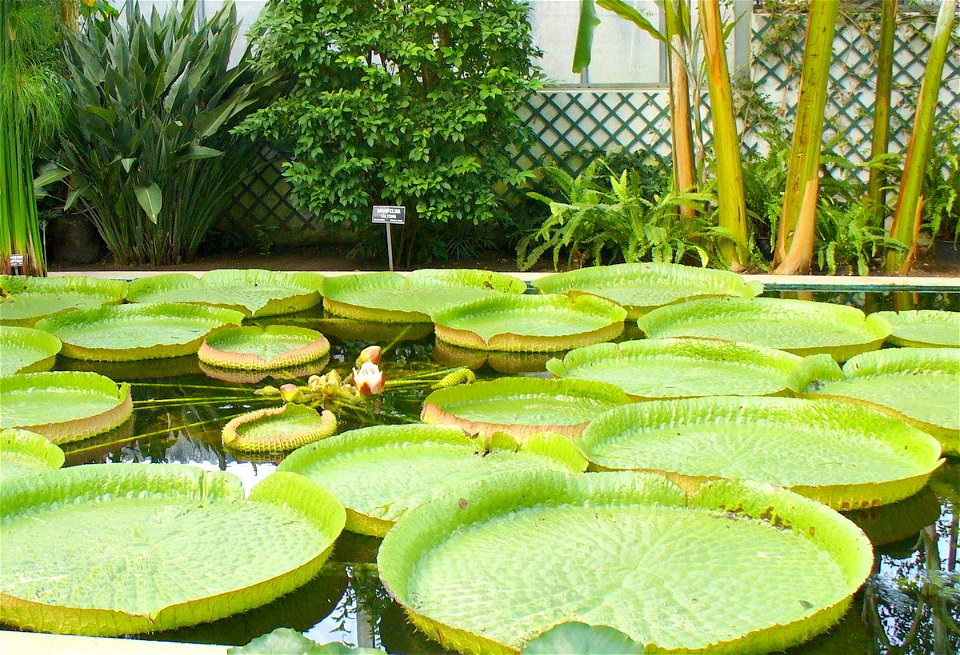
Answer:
[(910, 605)]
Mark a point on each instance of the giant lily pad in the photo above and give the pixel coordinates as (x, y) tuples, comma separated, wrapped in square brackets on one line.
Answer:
[(522, 406), (278, 429), (63, 405), (847, 457), (801, 327), (138, 331), (735, 567), (26, 350), (643, 287), (255, 348), (917, 385), (128, 540), (530, 323), (500, 361), (405, 466), (23, 452), (254, 292), (25, 300), (394, 298), (679, 368), (925, 328)]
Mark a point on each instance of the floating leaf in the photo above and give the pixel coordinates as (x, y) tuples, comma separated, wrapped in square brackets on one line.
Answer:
[(25, 300), (522, 406), (254, 292), (925, 328), (733, 567), (583, 639), (278, 429), (63, 405), (530, 323), (846, 457), (285, 640), (26, 350), (23, 452), (138, 331), (405, 466), (128, 540), (255, 348), (801, 327), (917, 385), (395, 298), (680, 368), (642, 287)]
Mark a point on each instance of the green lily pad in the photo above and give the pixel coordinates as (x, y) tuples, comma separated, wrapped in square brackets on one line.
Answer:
[(254, 292), (522, 406), (287, 640), (801, 327), (63, 405), (734, 567), (25, 300), (255, 348), (137, 331), (23, 452), (917, 385), (681, 368), (287, 374), (405, 466), (924, 328), (502, 362), (530, 323), (642, 287), (370, 332), (26, 350), (395, 298), (844, 456), (583, 639), (278, 429), (128, 539)]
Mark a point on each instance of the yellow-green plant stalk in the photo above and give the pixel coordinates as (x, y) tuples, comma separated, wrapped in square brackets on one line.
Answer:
[(726, 142), (906, 219), (881, 108), (677, 24), (793, 255)]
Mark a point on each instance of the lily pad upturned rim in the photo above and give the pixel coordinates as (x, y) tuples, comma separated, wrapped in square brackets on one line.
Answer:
[(416, 536), (667, 321), (96, 291), (22, 449), (435, 405), (681, 349), (904, 320), (322, 425), (452, 323), (211, 317), (40, 348), (81, 428), (386, 438), (709, 282), (919, 452), (103, 483), (338, 292), (302, 289), (215, 351)]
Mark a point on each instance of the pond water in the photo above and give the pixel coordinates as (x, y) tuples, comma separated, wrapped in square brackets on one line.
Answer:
[(910, 605)]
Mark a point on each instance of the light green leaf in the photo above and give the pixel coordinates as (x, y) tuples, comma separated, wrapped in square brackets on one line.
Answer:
[(290, 642), (151, 199), (588, 24), (583, 639)]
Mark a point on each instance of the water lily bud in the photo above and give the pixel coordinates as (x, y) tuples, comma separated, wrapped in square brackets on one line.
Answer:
[(331, 384), (291, 393), (315, 383), (369, 354), (267, 391), (369, 379)]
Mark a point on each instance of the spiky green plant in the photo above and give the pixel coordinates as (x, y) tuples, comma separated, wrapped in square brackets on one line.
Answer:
[(30, 103)]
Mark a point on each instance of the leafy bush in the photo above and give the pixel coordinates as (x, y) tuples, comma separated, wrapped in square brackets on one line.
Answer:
[(848, 237), (147, 140), (409, 102), (615, 219)]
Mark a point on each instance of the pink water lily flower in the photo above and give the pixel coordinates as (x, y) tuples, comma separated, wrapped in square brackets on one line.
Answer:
[(369, 354), (369, 379)]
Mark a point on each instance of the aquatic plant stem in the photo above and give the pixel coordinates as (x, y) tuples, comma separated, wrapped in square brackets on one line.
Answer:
[(881, 109)]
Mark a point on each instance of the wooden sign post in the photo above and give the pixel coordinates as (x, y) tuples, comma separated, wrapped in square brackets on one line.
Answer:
[(389, 215)]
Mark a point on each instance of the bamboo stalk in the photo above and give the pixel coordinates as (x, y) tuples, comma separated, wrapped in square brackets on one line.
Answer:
[(906, 219), (881, 108), (804, 162), (681, 132), (730, 195)]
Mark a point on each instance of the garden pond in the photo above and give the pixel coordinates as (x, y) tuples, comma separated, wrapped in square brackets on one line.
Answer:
[(910, 604)]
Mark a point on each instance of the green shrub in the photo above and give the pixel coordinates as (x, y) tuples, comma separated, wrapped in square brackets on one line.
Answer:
[(410, 102), (147, 141)]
